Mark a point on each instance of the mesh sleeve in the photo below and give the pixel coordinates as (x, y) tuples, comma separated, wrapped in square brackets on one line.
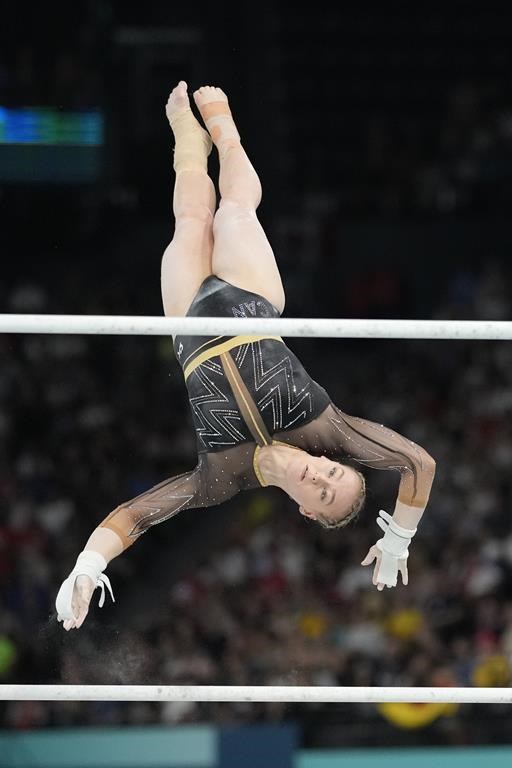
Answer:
[(379, 447), (201, 487)]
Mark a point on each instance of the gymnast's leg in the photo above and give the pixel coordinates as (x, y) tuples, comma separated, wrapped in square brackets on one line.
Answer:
[(187, 260), (242, 254)]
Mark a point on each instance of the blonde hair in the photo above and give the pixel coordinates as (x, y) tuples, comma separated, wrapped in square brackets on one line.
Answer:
[(353, 511)]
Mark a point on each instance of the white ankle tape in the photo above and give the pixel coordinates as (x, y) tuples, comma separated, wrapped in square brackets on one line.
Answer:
[(193, 144)]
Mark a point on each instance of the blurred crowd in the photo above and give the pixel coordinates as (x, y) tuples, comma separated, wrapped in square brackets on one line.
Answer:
[(270, 599)]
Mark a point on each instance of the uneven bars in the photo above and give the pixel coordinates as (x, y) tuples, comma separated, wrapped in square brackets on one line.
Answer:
[(484, 330), (254, 693)]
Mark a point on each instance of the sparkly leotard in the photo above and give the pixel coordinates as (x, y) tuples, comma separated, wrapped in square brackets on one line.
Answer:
[(279, 391), (249, 391)]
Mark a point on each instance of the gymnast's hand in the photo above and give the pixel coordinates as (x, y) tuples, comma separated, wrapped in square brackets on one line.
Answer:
[(82, 593), (74, 596), (387, 567), (390, 553)]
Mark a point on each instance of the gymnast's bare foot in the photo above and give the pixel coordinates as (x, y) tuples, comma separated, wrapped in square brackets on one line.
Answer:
[(213, 105), (177, 102)]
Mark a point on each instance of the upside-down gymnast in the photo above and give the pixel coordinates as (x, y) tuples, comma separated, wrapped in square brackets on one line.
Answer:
[(259, 418)]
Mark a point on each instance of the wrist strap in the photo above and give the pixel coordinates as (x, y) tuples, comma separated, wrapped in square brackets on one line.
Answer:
[(386, 547), (93, 564), (396, 539), (89, 563), (405, 533)]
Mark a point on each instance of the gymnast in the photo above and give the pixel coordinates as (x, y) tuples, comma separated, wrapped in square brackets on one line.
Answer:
[(259, 418)]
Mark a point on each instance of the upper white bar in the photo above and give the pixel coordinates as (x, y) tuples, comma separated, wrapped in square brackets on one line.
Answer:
[(484, 330), (254, 693)]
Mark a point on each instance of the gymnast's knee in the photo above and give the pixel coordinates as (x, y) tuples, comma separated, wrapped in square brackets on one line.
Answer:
[(233, 212), (191, 211)]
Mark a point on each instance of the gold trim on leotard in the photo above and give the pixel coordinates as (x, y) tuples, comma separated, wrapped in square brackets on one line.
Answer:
[(256, 460), (251, 414), (248, 408), (209, 343), (219, 349), (256, 467)]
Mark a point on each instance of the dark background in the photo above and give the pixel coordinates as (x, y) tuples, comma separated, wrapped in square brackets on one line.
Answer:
[(382, 134)]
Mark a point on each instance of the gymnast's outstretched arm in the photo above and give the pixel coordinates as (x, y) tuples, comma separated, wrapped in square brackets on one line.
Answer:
[(379, 447), (204, 486), (185, 264)]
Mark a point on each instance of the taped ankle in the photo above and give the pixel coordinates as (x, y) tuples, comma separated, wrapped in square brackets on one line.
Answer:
[(192, 143), (219, 121)]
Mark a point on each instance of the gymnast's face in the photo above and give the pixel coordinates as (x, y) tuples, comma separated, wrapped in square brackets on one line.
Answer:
[(325, 490)]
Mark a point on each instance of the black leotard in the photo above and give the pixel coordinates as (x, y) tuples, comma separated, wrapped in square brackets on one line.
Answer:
[(249, 391), (281, 392)]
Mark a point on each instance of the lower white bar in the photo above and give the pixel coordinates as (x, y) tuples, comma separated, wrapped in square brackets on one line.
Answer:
[(255, 693)]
